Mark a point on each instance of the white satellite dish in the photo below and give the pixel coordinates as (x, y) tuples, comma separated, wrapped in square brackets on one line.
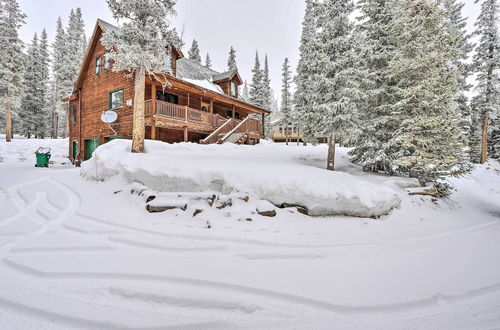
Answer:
[(109, 117)]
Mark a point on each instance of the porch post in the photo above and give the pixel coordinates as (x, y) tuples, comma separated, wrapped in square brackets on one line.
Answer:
[(234, 111), (189, 100), (153, 98), (211, 106), (186, 134), (153, 129)]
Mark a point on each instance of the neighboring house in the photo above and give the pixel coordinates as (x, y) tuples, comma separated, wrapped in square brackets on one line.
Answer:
[(200, 105), (292, 133)]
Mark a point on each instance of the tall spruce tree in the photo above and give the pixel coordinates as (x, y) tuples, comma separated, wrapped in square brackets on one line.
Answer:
[(59, 83), (208, 61), (335, 102), (231, 62), (76, 44), (286, 97), (32, 110), (139, 47), (266, 85), (246, 92), (11, 60), (457, 24), (486, 65), (43, 127), (257, 93), (376, 115), (427, 143), (194, 52), (303, 97)]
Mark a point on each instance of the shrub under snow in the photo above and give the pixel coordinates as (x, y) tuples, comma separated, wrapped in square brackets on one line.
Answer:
[(270, 172)]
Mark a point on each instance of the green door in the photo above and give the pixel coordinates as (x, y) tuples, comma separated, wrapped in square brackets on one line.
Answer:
[(111, 138), (75, 150), (90, 147)]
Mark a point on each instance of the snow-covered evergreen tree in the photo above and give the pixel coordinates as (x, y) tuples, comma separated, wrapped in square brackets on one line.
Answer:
[(427, 143), (286, 96), (140, 46), (487, 67), (43, 127), (246, 92), (194, 52), (11, 60), (266, 85), (60, 85), (457, 24), (303, 97), (257, 93), (32, 113), (231, 62), (76, 44), (376, 115), (208, 61), (335, 97)]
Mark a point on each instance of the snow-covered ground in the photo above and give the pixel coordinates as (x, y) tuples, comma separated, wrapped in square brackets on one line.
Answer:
[(85, 254)]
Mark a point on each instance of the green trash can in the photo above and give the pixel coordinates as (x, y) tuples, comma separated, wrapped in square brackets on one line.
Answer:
[(42, 157)]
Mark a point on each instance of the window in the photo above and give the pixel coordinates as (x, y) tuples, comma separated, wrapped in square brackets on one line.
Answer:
[(116, 99), (234, 89), (107, 62), (166, 97), (229, 113), (74, 113), (237, 115), (98, 65)]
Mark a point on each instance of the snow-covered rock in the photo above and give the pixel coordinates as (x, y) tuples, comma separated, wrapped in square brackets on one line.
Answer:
[(268, 172)]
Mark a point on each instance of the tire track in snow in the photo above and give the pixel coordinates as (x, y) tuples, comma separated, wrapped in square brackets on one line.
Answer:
[(436, 300)]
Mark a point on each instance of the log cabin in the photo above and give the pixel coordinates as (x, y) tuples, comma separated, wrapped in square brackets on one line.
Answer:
[(199, 104)]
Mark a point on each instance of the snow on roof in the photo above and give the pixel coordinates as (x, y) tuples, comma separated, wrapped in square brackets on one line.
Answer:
[(107, 26), (224, 75), (197, 74), (207, 84)]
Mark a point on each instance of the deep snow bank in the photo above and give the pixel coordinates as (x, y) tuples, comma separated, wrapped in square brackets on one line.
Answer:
[(270, 172), (23, 150)]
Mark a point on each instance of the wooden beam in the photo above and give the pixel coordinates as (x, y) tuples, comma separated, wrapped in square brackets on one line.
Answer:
[(153, 129), (234, 111), (211, 106), (189, 99), (153, 97), (186, 134)]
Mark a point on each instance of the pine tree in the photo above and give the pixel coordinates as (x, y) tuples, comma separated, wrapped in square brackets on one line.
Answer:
[(286, 96), (32, 110), (76, 44), (457, 24), (427, 143), (43, 126), (11, 60), (487, 67), (208, 61), (194, 52), (266, 85), (231, 62), (246, 92), (139, 47), (335, 97), (303, 97), (376, 115), (257, 93), (60, 82)]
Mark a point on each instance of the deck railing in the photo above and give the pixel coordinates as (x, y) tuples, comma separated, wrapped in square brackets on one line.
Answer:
[(220, 132), (248, 125), (182, 113)]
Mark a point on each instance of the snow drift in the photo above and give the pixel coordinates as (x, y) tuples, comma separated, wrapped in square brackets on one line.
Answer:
[(271, 172)]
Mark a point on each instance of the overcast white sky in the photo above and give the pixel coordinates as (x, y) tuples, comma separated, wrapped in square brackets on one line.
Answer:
[(272, 27)]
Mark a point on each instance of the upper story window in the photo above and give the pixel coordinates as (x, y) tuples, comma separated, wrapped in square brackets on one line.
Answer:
[(234, 89), (74, 113), (116, 99), (98, 65), (107, 62)]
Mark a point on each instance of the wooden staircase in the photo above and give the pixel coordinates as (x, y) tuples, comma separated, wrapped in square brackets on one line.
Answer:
[(236, 131)]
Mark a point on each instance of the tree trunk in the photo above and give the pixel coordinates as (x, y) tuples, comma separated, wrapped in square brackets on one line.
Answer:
[(56, 125), (138, 125), (8, 123), (484, 142), (331, 153), (286, 134)]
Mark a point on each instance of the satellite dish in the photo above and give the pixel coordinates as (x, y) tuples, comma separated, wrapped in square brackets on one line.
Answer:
[(109, 117)]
